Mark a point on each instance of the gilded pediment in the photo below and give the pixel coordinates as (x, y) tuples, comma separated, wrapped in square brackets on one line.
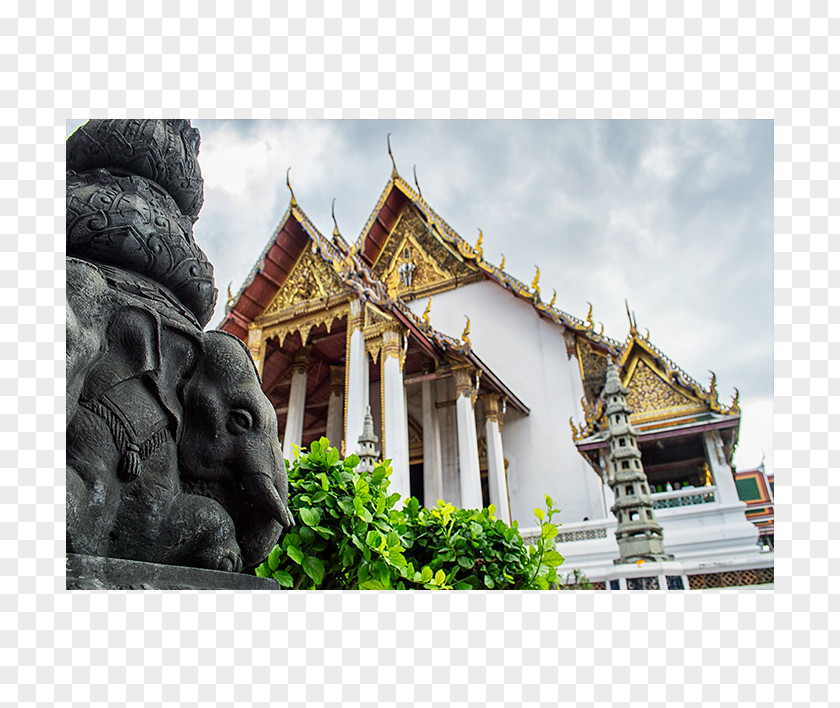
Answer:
[(415, 263), (650, 394), (311, 279)]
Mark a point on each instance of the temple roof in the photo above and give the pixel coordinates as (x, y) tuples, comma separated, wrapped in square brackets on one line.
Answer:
[(349, 271)]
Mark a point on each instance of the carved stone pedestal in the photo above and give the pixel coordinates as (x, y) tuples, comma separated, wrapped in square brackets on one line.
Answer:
[(98, 573)]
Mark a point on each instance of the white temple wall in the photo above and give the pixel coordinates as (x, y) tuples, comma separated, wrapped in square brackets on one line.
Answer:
[(528, 354)]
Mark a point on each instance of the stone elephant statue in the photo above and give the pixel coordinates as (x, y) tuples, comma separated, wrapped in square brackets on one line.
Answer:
[(173, 454)]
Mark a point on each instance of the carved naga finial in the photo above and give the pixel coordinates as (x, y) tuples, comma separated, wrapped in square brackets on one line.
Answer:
[(426, 313), (590, 324), (647, 334), (553, 298), (465, 334), (416, 183), (478, 248), (394, 173), (288, 184), (502, 264), (734, 405), (535, 285), (231, 299)]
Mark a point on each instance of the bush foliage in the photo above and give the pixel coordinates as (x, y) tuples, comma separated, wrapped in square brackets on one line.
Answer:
[(350, 535)]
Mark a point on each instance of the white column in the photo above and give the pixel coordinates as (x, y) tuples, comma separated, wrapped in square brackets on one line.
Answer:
[(297, 403), (470, 473), (395, 418), (727, 492), (357, 378), (493, 420), (432, 459), (335, 407)]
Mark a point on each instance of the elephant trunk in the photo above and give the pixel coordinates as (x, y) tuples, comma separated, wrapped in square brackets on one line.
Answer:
[(267, 489)]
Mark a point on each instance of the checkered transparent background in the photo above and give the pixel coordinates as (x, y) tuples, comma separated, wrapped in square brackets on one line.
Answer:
[(415, 59)]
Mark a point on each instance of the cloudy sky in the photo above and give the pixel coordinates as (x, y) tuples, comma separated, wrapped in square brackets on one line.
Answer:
[(674, 216)]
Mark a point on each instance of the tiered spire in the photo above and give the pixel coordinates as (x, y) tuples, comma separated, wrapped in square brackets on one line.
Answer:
[(639, 535), (367, 445)]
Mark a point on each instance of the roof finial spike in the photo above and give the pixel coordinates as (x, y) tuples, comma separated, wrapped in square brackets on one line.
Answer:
[(535, 285), (589, 322), (478, 249), (394, 173), (427, 311), (288, 184), (416, 183), (466, 332), (734, 405), (631, 318), (553, 298), (502, 264), (336, 232)]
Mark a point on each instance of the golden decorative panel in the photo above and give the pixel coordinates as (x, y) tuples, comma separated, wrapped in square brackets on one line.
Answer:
[(311, 278), (649, 393), (415, 263)]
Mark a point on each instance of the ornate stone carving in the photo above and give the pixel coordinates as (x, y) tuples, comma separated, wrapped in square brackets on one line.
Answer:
[(172, 448)]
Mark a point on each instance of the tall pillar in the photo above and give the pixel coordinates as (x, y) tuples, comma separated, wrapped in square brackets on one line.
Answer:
[(256, 345), (727, 492), (335, 406), (493, 419), (357, 375), (470, 474), (395, 417), (432, 458), (297, 403)]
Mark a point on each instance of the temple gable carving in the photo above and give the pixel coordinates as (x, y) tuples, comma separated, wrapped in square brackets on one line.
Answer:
[(311, 279), (413, 263)]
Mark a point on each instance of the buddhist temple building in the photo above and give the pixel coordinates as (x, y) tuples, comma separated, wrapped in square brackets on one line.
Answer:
[(481, 391)]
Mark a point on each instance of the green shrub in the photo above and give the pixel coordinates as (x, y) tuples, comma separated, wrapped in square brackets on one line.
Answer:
[(350, 536)]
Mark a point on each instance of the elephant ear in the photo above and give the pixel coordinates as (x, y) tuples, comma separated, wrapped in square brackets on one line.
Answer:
[(133, 350)]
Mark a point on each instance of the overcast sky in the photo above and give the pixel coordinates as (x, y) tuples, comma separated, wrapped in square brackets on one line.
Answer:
[(674, 216)]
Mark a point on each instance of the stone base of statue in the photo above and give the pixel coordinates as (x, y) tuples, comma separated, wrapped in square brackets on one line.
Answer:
[(98, 573)]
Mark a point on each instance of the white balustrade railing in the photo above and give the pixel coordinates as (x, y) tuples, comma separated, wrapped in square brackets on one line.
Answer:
[(687, 496)]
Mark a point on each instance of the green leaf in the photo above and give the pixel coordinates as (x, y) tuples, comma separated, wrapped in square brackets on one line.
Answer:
[(284, 578), (539, 513), (548, 531), (347, 505), (262, 571), (324, 532), (295, 554), (324, 481), (351, 462), (440, 578), (310, 517), (466, 562), (426, 574), (552, 559), (488, 581), (476, 529), (314, 568), (332, 457), (314, 448), (274, 558), (371, 584)]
